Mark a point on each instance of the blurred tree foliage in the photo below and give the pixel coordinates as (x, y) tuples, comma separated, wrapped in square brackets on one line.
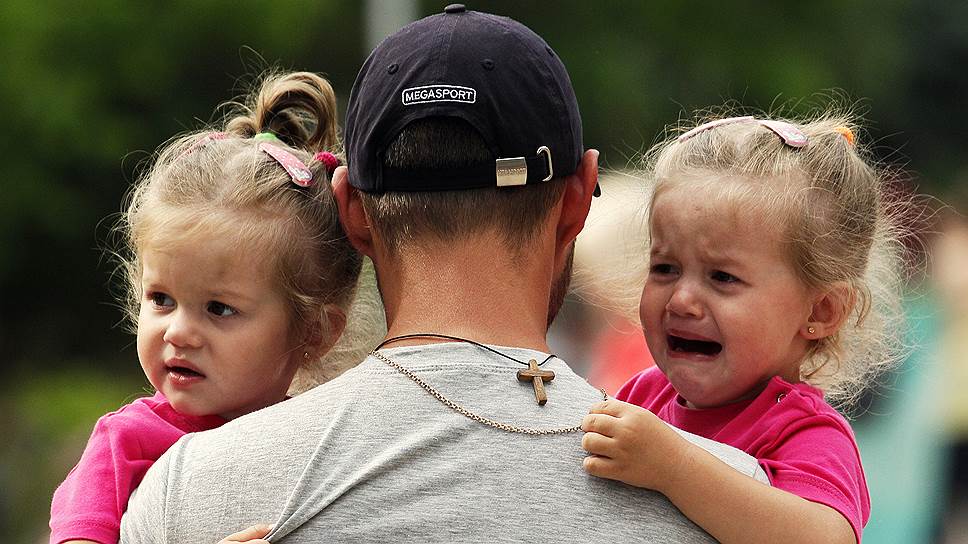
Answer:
[(89, 89)]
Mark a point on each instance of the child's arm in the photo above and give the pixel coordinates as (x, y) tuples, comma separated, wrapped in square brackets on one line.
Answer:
[(88, 505), (632, 445)]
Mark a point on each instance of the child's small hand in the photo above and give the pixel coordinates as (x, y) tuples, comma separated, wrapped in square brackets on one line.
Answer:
[(251, 535), (630, 444)]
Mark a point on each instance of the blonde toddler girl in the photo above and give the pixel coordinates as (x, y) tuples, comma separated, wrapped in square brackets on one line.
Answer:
[(240, 276), (772, 283)]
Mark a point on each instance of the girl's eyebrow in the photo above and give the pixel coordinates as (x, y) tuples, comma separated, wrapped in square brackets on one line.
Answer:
[(230, 294), (723, 260), (147, 282)]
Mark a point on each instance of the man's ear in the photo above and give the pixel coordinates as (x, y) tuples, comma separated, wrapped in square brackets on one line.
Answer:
[(830, 310), (577, 200), (351, 213)]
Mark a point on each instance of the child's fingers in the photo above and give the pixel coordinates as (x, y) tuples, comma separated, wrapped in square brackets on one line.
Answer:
[(610, 407), (597, 444), (599, 423), (599, 466), (248, 534)]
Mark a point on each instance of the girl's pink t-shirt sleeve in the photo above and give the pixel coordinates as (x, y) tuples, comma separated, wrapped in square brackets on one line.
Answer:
[(802, 443), (814, 455), (88, 505)]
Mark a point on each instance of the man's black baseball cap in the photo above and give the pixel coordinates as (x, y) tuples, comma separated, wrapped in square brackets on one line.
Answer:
[(492, 72)]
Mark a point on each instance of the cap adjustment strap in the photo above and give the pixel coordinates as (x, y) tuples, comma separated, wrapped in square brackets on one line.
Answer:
[(516, 170)]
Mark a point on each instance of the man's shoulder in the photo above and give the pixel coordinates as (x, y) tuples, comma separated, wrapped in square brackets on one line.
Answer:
[(280, 423), (213, 467), (309, 407)]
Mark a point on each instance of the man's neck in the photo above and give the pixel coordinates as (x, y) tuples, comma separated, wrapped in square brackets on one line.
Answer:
[(476, 291)]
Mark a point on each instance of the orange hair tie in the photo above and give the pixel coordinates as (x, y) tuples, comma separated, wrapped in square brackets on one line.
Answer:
[(847, 134)]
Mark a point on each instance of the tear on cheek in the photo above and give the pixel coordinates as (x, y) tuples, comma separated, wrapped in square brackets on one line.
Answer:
[(701, 347)]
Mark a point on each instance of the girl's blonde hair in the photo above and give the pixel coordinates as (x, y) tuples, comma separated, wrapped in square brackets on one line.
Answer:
[(218, 182), (832, 207)]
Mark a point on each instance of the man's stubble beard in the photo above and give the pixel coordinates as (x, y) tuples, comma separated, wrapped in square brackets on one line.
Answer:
[(559, 288)]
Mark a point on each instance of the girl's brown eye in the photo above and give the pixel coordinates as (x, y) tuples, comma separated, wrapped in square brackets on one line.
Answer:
[(221, 310), (160, 299), (724, 277)]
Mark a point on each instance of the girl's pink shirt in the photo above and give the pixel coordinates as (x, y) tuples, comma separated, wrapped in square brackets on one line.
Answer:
[(90, 502), (802, 443)]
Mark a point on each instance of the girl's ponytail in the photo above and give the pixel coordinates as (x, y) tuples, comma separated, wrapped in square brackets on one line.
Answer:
[(299, 108)]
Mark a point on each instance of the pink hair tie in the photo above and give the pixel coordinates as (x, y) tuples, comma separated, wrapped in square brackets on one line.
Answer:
[(329, 160), (789, 133), (297, 170)]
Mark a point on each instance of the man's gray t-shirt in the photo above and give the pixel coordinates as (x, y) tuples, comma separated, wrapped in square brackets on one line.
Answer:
[(373, 457)]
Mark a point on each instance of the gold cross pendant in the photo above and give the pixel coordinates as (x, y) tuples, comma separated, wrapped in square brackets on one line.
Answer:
[(537, 377)]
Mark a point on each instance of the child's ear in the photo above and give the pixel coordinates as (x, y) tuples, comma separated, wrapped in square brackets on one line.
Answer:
[(318, 341), (337, 322), (830, 310)]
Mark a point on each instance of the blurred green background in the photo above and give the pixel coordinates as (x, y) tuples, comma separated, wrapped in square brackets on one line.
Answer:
[(90, 89)]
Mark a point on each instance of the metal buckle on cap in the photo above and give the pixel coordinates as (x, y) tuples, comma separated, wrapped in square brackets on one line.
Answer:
[(551, 169), (512, 171)]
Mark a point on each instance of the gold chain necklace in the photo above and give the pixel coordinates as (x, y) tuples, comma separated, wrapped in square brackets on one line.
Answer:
[(467, 413)]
